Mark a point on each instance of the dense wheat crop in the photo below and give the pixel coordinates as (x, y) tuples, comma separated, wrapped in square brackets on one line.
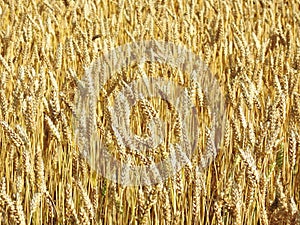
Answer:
[(251, 47)]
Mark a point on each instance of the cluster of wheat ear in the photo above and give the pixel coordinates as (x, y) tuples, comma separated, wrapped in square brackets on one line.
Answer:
[(251, 47)]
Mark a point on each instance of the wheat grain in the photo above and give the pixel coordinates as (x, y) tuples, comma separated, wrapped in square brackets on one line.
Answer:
[(251, 48)]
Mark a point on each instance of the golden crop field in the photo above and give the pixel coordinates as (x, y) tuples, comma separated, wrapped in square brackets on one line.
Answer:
[(252, 48)]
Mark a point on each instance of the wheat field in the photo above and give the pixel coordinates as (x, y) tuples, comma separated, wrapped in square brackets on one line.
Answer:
[(251, 47)]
